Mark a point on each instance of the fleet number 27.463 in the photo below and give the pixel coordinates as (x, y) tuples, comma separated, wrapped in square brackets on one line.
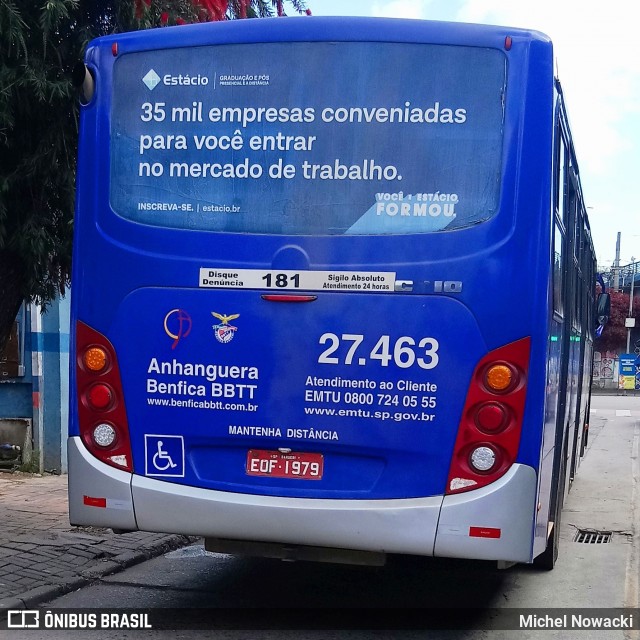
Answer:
[(404, 352)]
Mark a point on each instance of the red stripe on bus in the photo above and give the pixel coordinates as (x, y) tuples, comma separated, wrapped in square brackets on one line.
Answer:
[(484, 532), (288, 298), (95, 502)]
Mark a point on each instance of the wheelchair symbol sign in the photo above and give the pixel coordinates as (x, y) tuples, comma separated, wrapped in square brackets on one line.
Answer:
[(164, 456)]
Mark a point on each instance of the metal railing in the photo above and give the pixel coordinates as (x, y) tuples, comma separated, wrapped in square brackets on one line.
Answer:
[(625, 274)]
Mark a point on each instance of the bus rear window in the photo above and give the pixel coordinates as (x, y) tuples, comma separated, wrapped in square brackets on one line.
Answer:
[(308, 138)]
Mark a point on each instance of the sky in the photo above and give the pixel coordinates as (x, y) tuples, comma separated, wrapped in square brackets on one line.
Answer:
[(598, 62)]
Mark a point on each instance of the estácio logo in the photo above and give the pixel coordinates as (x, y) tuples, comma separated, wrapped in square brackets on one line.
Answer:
[(152, 80)]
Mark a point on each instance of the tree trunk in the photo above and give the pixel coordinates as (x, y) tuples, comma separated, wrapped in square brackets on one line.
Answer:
[(11, 293)]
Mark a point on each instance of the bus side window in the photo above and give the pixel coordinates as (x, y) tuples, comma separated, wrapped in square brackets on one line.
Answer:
[(562, 203), (558, 270), (561, 216)]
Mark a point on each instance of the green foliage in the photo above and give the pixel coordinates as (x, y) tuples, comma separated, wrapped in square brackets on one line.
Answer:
[(40, 43), (12, 28), (38, 46), (614, 336), (144, 14)]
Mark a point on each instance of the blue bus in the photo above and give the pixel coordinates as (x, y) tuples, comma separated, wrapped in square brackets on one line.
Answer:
[(333, 290)]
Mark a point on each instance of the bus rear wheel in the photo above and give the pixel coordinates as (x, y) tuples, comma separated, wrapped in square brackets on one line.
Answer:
[(547, 559)]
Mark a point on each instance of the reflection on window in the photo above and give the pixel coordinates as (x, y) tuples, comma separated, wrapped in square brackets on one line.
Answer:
[(558, 276), (562, 183)]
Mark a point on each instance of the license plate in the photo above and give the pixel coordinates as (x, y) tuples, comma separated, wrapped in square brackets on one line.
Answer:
[(275, 464)]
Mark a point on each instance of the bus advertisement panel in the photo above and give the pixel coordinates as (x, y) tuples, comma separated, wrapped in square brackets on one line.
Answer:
[(207, 142)]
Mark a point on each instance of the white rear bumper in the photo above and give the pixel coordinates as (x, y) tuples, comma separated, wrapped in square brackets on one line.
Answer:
[(420, 526)]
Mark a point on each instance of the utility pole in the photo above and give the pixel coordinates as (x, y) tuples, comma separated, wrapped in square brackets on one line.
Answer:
[(616, 266), (631, 320)]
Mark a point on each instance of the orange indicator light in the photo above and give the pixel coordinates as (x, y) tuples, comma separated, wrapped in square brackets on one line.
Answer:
[(499, 377), (95, 359)]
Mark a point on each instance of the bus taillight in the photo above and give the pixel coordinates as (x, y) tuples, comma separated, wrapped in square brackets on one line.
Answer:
[(500, 377), (100, 396), (101, 412), (489, 431), (491, 417), (95, 359)]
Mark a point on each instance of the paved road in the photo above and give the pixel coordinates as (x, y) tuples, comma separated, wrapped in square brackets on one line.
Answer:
[(605, 496)]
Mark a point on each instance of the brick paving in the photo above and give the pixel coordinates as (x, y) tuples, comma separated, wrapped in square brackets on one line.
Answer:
[(42, 556)]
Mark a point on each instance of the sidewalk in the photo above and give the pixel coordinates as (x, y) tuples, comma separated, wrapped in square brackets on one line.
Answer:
[(42, 556), (631, 393)]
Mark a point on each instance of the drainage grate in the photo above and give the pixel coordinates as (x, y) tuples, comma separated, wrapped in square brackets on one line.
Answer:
[(590, 536)]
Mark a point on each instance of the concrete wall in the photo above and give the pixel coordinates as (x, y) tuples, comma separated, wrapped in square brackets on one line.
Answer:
[(39, 395)]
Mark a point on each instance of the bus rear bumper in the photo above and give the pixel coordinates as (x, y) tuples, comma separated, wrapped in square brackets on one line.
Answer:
[(492, 523), (125, 501), (99, 495), (420, 526), (384, 526)]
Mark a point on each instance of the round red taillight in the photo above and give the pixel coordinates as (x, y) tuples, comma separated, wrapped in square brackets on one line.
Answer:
[(100, 396), (491, 417)]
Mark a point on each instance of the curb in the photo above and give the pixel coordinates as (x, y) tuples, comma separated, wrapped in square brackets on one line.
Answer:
[(103, 568), (595, 391)]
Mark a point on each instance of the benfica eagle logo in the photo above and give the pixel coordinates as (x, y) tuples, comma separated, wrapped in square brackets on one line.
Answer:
[(224, 332)]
